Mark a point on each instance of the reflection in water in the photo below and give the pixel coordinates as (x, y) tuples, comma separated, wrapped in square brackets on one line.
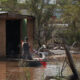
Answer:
[(12, 71), (2, 70)]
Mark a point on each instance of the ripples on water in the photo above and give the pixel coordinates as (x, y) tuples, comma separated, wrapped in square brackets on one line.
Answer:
[(11, 71)]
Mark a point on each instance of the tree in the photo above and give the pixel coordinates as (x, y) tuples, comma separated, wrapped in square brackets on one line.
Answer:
[(42, 13), (48, 31), (71, 11), (9, 5)]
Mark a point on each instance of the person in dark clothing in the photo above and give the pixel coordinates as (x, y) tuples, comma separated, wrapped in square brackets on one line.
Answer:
[(26, 52)]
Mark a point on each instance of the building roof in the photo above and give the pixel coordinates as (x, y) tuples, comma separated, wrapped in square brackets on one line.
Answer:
[(12, 15)]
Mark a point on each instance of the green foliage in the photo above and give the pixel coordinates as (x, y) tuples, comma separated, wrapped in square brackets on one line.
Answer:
[(71, 16), (71, 37), (42, 12), (10, 5), (3, 0), (27, 73), (48, 32), (71, 13)]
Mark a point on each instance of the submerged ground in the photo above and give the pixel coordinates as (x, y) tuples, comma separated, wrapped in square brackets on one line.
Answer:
[(11, 70)]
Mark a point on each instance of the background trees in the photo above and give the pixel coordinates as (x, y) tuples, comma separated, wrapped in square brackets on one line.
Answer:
[(42, 12), (9, 5), (71, 11)]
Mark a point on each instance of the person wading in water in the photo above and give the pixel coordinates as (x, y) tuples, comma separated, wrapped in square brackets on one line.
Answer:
[(25, 47)]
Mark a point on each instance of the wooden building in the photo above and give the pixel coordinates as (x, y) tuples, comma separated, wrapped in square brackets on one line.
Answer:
[(12, 32)]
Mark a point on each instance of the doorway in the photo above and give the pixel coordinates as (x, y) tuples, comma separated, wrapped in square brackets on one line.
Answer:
[(12, 38)]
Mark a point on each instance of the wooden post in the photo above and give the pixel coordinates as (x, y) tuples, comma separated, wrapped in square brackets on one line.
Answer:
[(71, 62)]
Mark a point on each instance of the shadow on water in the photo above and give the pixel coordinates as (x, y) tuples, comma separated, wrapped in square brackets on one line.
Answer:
[(30, 64)]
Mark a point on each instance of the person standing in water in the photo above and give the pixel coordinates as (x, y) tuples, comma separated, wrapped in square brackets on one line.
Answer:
[(26, 52)]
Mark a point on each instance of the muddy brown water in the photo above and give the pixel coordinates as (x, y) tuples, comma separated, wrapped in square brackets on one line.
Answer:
[(12, 71)]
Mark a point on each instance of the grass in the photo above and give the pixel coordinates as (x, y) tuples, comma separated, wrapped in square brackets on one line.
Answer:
[(27, 74)]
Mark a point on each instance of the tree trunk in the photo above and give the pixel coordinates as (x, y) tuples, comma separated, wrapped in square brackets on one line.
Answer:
[(39, 43), (70, 59), (37, 32)]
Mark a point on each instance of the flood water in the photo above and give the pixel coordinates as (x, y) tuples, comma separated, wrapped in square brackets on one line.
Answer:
[(12, 71)]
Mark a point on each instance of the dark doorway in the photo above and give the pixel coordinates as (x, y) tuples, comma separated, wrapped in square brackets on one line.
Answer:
[(12, 38)]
